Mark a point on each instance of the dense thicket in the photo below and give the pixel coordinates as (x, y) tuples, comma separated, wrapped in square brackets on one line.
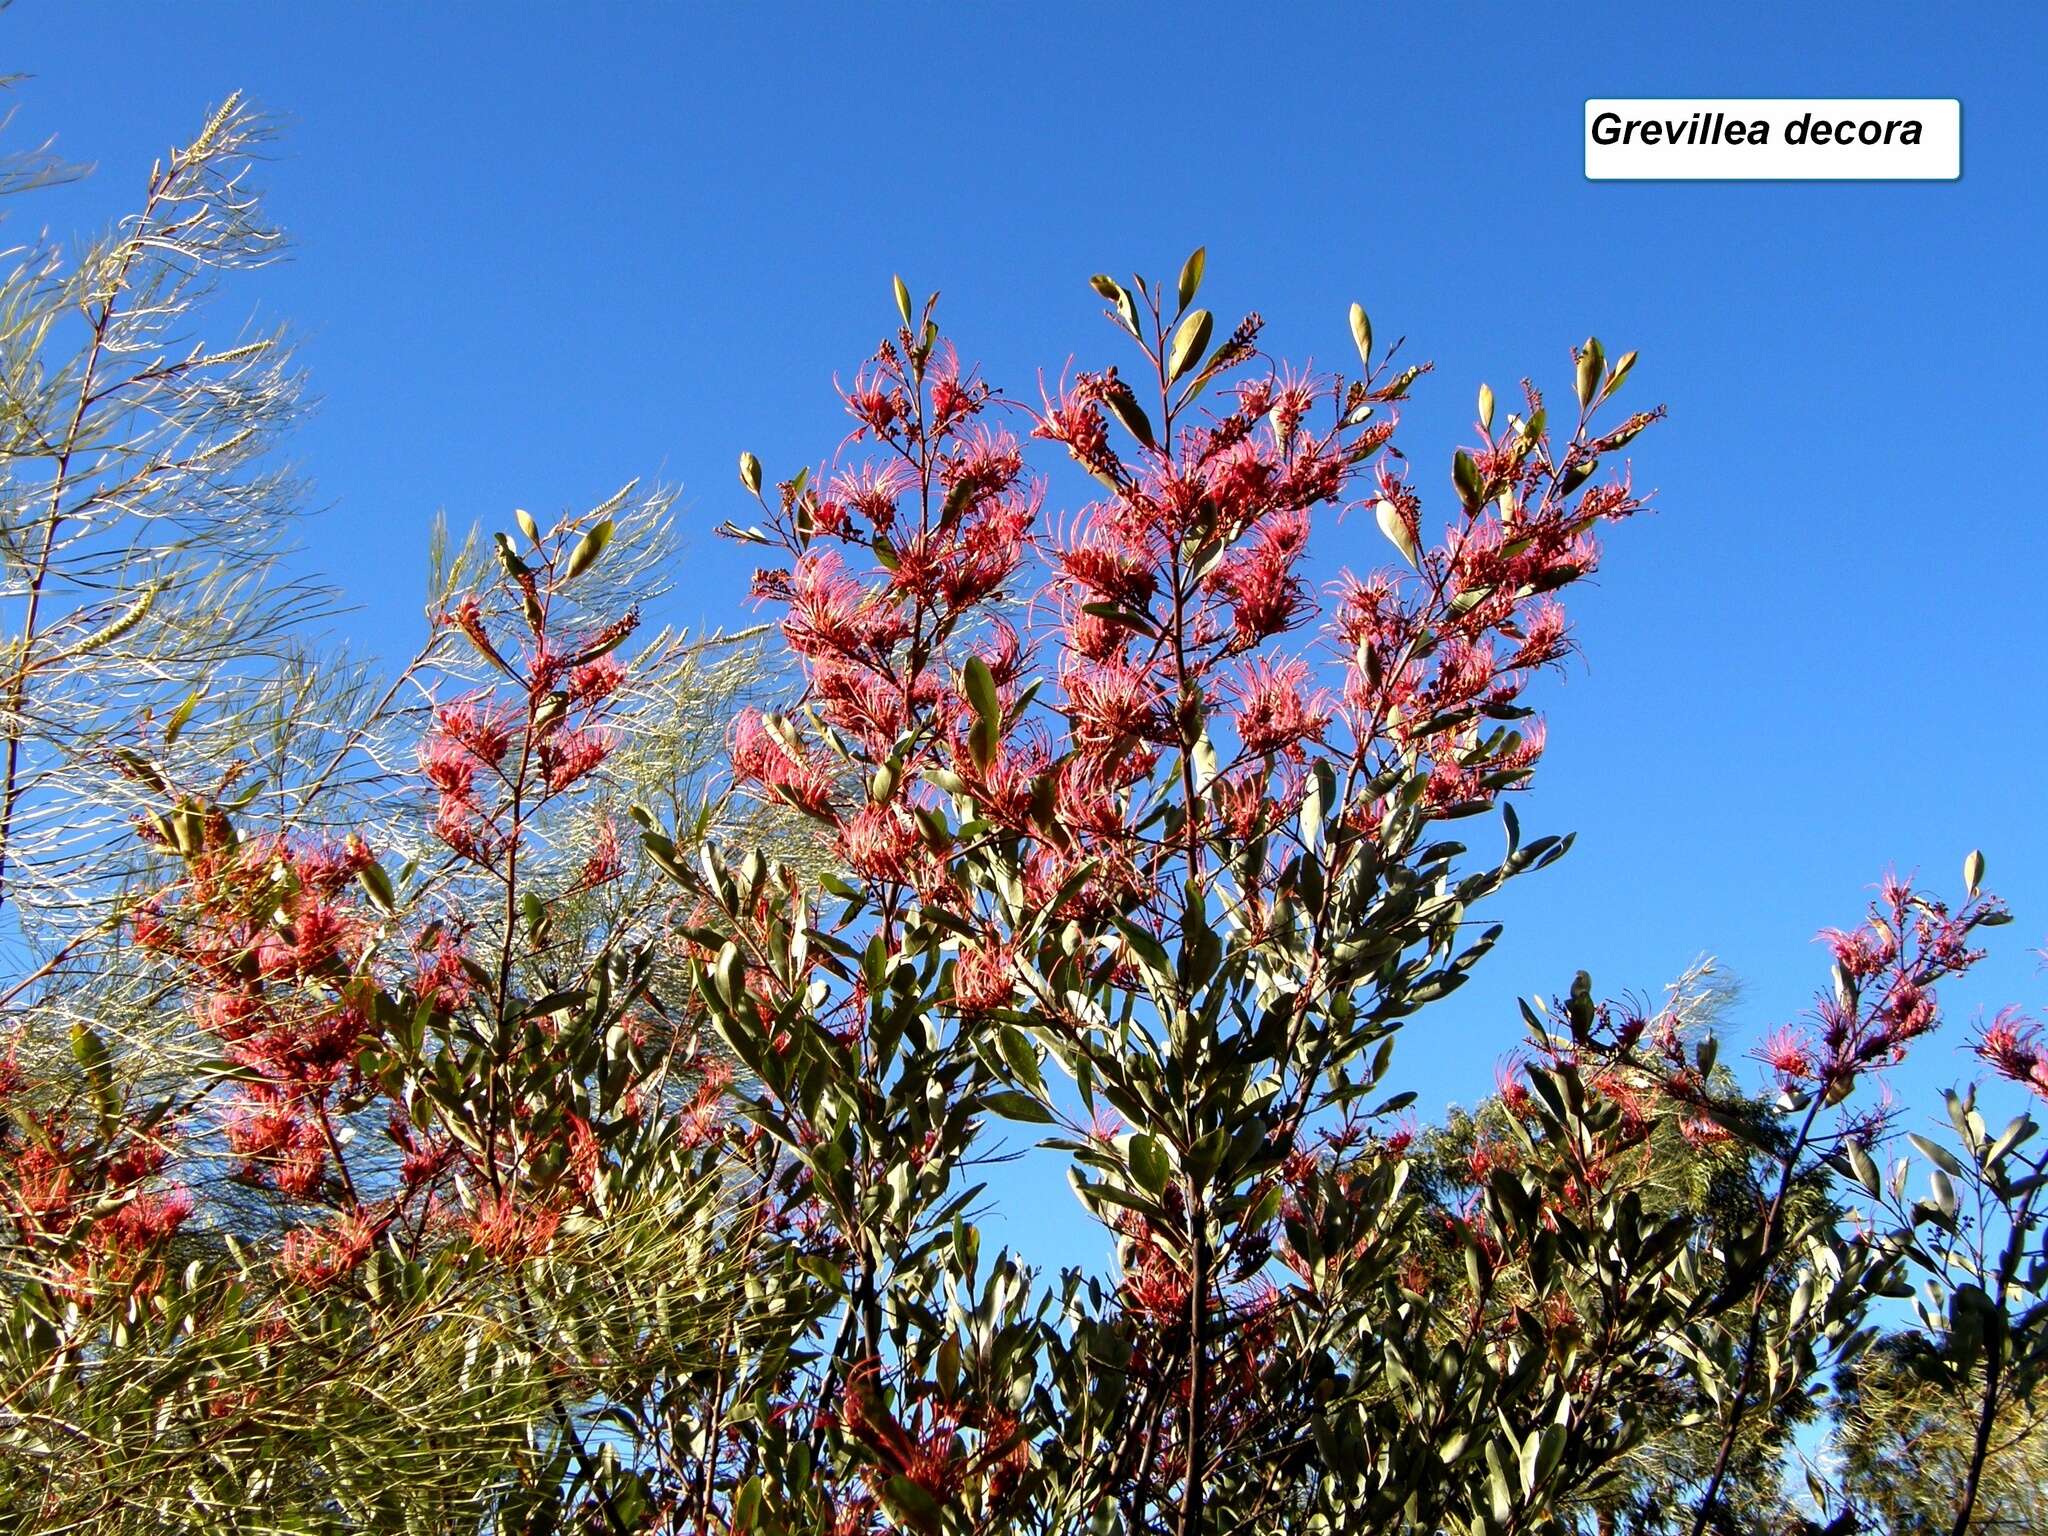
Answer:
[(542, 1087)]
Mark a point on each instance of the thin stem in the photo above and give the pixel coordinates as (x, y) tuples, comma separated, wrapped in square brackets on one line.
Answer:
[(60, 481), (1191, 1489), (1994, 1362), (1756, 1318)]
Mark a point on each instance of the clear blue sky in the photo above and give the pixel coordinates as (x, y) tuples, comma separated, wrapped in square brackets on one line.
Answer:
[(541, 249)]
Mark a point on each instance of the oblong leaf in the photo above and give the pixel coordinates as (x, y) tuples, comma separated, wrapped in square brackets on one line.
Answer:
[(1190, 341)]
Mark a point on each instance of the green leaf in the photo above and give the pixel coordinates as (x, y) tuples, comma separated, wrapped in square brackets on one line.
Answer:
[(1189, 343), (1112, 290), (1937, 1154), (883, 784), (1465, 475), (1117, 613), (1501, 1493), (90, 1051), (1191, 275), (1012, 1105), (1146, 949), (1022, 1060), (377, 886), (911, 1505), (1206, 1155), (1361, 332), (2021, 1127), (750, 473), (1591, 358), (1150, 1165), (1316, 799), (1617, 373), (183, 713), (550, 709), (1552, 1453), (1124, 406), (587, 549), (981, 744), (1395, 527), (1973, 870), (746, 1504), (508, 557), (978, 684), (902, 300), (1944, 1191), (732, 975)]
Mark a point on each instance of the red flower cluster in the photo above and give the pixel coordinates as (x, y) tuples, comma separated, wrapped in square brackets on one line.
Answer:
[(495, 761), (2011, 1046), (273, 944), (938, 1445), (295, 955), (1884, 998), (1162, 598)]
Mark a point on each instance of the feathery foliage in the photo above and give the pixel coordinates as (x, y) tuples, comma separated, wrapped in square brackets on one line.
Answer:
[(356, 1169)]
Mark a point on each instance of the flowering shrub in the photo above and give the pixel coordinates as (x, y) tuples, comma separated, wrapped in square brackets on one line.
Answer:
[(1203, 873), (1968, 1374), (449, 1092), (1100, 811), (447, 1163)]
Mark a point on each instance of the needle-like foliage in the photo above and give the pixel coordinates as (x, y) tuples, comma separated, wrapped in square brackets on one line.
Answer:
[(360, 1166), (142, 511)]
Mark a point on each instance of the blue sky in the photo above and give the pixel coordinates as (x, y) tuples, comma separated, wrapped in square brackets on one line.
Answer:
[(542, 249)]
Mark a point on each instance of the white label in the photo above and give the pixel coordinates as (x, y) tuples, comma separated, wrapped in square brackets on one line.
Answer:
[(1774, 139)]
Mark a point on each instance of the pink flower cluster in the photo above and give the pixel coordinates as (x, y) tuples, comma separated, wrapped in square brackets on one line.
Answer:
[(2011, 1046), (1163, 601), (1884, 996)]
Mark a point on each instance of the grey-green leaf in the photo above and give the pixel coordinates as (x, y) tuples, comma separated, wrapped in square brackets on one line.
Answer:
[(587, 549), (1149, 1163), (1361, 333), (1189, 343), (1191, 275)]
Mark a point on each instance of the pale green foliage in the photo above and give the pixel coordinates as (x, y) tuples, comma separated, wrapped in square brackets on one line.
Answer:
[(226, 1403), (141, 515), (156, 657), (1904, 1444)]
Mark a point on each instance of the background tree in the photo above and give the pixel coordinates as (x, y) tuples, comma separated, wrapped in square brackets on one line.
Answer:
[(356, 1167), (1907, 1443), (1940, 1427), (142, 512), (1692, 1167)]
